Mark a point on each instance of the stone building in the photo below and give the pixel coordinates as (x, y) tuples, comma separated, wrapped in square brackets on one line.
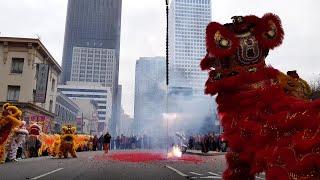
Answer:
[(28, 79)]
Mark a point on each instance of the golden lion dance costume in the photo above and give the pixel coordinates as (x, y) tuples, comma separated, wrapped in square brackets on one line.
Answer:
[(67, 144), (269, 123), (47, 142), (54, 148), (82, 142), (9, 120)]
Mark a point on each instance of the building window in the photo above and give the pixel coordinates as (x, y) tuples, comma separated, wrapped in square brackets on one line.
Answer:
[(17, 65), (50, 105), (53, 85), (13, 93)]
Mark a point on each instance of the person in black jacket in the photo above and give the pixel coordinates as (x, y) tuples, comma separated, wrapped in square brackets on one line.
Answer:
[(106, 142)]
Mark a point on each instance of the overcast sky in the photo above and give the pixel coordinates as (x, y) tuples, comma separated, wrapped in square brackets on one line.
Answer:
[(143, 31)]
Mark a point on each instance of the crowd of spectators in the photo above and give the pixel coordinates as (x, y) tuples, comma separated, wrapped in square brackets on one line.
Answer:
[(204, 143), (207, 142), (121, 142)]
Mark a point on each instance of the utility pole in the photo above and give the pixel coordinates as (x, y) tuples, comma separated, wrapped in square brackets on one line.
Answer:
[(167, 71), (82, 123)]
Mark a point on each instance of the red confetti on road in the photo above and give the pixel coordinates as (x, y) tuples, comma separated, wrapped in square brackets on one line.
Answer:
[(138, 157), (144, 157)]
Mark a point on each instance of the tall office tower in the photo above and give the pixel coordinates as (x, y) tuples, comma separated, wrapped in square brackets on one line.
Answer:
[(93, 65), (149, 94), (188, 20), (92, 44)]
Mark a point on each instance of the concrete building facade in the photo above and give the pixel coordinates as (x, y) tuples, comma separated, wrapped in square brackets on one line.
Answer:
[(21, 59), (92, 91), (93, 65), (87, 118), (66, 112)]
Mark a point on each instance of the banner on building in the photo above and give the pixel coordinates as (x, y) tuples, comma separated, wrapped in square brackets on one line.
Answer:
[(43, 121), (42, 81)]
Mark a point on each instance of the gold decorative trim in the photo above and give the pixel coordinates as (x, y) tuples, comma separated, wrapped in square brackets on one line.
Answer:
[(243, 35)]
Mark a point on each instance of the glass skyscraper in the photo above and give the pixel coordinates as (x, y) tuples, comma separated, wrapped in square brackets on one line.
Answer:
[(188, 20), (92, 46), (93, 24)]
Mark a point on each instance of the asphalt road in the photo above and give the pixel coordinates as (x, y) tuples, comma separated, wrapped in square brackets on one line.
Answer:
[(94, 165)]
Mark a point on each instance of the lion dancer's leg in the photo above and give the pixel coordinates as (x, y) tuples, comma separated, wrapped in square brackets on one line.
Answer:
[(12, 154), (3, 154), (73, 152), (61, 151), (6, 149), (55, 149), (65, 153), (237, 169)]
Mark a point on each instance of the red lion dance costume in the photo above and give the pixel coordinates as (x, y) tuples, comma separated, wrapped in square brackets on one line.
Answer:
[(269, 122)]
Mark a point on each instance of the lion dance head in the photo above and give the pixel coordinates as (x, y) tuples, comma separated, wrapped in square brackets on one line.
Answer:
[(237, 50), (67, 144)]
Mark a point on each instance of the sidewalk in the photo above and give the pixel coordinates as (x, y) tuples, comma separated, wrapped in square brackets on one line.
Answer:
[(210, 153)]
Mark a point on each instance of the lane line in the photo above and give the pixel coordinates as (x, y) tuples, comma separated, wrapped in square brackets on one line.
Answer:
[(43, 175), (196, 173), (211, 177), (215, 174), (177, 171)]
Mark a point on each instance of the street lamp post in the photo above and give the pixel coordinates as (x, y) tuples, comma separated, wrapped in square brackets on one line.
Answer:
[(167, 69)]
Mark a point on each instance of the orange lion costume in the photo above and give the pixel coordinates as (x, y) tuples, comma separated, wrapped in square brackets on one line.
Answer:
[(9, 120), (54, 148), (67, 142), (269, 121)]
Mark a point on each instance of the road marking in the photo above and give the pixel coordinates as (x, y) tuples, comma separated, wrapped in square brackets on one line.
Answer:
[(177, 171), (196, 173), (211, 177), (38, 177), (259, 177), (215, 174)]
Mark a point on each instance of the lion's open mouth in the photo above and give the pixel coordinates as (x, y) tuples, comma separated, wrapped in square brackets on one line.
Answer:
[(68, 139)]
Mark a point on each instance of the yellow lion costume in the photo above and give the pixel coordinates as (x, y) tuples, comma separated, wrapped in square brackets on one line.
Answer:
[(48, 142), (9, 120), (67, 144), (54, 148), (81, 142)]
